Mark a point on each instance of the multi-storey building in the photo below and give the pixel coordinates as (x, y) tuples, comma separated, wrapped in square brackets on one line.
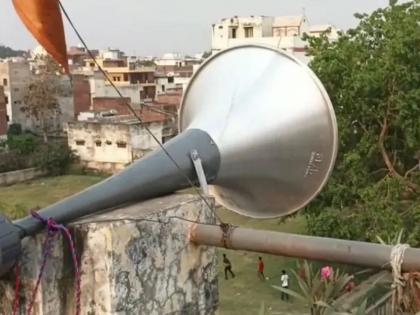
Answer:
[(15, 76), (283, 32)]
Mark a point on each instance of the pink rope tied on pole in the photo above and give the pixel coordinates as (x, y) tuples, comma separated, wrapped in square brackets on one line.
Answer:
[(53, 228)]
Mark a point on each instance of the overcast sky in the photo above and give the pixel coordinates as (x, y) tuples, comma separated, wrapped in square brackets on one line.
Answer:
[(153, 27)]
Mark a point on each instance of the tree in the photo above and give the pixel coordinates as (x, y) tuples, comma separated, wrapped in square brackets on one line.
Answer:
[(372, 74), (7, 52), (41, 103)]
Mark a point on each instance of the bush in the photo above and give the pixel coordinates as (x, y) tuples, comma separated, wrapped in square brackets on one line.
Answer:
[(55, 158), (24, 144), (14, 130)]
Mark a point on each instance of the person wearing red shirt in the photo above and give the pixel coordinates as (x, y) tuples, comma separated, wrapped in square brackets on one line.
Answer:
[(261, 269)]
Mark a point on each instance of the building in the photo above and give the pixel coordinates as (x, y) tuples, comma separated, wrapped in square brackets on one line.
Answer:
[(170, 100), (65, 99), (15, 76), (77, 56), (169, 103), (170, 59), (81, 93), (134, 81), (143, 78), (3, 115), (106, 59), (100, 87), (110, 143), (289, 26), (173, 77), (285, 32), (329, 30), (113, 54)]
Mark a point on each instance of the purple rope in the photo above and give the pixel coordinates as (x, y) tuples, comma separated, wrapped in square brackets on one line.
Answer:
[(52, 229)]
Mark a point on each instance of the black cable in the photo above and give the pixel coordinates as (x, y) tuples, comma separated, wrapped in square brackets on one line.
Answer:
[(131, 109)]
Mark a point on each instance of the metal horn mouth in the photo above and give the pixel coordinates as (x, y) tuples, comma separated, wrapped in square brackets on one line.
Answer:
[(273, 123)]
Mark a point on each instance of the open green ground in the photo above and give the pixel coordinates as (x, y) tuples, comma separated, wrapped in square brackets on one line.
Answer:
[(15, 200), (240, 296)]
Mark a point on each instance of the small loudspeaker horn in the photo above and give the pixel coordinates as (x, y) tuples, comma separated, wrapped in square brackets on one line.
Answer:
[(264, 129)]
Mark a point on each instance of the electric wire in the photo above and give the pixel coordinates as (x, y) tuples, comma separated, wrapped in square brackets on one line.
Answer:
[(131, 109)]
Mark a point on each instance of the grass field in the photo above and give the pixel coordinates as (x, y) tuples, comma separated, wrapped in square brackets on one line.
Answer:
[(240, 296), (17, 199)]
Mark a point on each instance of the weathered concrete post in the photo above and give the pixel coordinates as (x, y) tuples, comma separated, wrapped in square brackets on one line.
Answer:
[(131, 264)]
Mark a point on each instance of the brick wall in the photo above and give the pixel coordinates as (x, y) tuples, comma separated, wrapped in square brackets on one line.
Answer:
[(81, 94), (170, 99)]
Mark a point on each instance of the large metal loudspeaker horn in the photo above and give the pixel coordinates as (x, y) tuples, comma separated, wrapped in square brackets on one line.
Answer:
[(264, 129)]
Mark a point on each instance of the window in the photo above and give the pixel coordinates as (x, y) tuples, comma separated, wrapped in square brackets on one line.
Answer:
[(163, 87), (5, 82), (220, 27), (170, 79), (121, 144), (108, 142), (98, 143), (80, 142), (233, 32), (92, 64), (249, 31), (6, 100)]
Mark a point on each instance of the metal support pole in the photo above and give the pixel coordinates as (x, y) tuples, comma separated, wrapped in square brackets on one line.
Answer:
[(195, 157), (306, 247)]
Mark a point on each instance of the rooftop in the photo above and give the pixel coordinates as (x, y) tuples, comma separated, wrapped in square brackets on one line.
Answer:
[(128, 70), (292, 20)]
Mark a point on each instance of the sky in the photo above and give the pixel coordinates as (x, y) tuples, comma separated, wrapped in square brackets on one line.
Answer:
[(154, 27)]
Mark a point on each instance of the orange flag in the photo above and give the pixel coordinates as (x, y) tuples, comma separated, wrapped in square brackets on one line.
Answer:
[(43, 19)]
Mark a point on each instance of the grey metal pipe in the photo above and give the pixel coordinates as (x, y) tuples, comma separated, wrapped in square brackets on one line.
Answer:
[(152, 176), (306, 247)]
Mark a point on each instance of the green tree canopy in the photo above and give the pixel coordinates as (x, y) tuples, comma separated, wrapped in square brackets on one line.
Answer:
[(6, 52), (372, 74)]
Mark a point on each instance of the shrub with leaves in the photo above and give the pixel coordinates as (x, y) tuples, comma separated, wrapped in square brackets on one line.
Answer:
[(25, 143), (55, 158)]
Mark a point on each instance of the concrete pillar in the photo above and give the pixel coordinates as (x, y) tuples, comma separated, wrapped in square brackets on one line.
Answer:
[(130, 264)]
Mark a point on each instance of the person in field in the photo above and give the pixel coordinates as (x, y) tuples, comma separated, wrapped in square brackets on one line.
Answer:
[(261, 269), (228, 267)]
